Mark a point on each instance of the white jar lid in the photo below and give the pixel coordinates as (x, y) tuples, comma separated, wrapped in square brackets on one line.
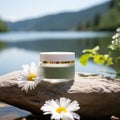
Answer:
[(57, 56)]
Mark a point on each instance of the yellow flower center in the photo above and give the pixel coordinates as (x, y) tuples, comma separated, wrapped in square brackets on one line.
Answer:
[(61, 109), (31, 77)]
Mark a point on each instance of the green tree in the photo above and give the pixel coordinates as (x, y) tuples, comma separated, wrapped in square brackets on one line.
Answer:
[(2, 45), (96, 20), (112, 3), (112, 19), (3, 26)]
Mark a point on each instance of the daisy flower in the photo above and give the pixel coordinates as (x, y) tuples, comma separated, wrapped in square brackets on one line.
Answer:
[(29, 77), (62, 109)]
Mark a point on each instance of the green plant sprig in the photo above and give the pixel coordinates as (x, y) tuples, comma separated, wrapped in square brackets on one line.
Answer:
[(95, 56)]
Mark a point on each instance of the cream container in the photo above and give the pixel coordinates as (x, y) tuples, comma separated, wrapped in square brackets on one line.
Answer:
[(58, 66)]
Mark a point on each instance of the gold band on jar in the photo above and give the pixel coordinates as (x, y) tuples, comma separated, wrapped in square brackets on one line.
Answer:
[(58, 62)]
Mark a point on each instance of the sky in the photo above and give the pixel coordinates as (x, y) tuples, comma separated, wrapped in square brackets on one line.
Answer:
[(15, 10)]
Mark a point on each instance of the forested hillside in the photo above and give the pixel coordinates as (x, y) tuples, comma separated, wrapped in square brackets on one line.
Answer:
[(109, 22), (112, 19), (3, 26), (62, 21)]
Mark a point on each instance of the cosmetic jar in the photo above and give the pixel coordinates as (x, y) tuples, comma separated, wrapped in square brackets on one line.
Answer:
[(58, 66)]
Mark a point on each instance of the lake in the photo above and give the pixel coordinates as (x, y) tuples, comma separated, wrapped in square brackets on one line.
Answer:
[(24, 47), (18, 48)]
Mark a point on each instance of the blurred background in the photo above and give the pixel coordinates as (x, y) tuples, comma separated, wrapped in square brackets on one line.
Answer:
[(28, 27)]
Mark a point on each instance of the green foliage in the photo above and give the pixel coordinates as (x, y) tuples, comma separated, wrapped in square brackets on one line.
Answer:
[(62, 21), (85, 58), (96, 20), (3, 26), (95, 56), (2, 45), (112, 19), (112, 58), (109, 21)]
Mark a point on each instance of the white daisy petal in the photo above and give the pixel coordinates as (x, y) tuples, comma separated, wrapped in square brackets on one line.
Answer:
[(64, 102), (76, 116), (54, 104), (56, 116), (67, 116), (21, 84), (33, 67), (118, 29), (26, 68), (23, 75), (73, 106)]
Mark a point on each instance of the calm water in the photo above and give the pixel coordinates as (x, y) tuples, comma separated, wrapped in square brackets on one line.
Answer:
[(30, 36), (23, 47)]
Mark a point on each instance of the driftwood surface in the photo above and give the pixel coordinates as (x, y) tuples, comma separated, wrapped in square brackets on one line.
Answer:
[(96, 94)]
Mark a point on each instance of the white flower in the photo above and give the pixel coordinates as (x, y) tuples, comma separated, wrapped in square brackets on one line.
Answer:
[(118, 29), (116, 39), (62, 109), (117, 35), (29, 77)]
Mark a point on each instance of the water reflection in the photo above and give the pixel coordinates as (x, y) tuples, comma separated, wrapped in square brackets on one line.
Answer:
[(75, 45), (18, 53)]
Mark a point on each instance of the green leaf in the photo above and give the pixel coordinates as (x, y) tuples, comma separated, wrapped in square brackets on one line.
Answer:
[(109, 61), (84, 58), (118, 58), (112, 47), (93, 51), (106, 56), (99, 59)]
